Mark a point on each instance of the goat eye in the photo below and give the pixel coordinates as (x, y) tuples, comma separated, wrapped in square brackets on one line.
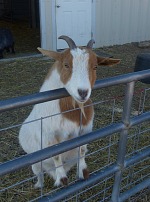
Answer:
[(66, 65), (95, 67)]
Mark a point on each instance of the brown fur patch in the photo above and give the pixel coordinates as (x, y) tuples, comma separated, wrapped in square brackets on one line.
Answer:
[(64, 181), (66, 104), (85, 173), (51, 54), (66, 66), (63, 65)]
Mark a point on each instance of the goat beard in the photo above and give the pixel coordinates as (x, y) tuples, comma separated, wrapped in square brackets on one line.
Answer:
[(81, 106)]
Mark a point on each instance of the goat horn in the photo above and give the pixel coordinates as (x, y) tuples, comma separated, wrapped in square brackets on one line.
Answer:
[(69, 41), (90, 43)]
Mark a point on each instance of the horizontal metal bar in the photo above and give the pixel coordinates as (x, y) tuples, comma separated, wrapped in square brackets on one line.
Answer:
[(23, 101), (94, 178), (49, 152), (54, 150), (137, 157), (32, 99), (140, 119), (122, 79), (79, 185), (126, 195)]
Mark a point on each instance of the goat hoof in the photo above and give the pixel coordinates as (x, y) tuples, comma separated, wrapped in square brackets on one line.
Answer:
[(64, 181), (38, 185), (85, 173)]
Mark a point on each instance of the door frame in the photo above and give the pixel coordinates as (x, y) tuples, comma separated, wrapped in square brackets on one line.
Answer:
[(54, 26)]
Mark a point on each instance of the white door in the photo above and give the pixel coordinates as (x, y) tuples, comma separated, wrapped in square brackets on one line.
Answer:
[(73, 18)]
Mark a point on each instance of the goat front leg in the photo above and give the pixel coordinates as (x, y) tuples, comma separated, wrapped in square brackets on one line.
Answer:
[(61, 177), (83, 171), (37, 170)]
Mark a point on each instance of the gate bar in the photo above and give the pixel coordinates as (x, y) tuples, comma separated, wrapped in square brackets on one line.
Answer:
[(93, 179), (81, 184), (139, 119), (138, 157), (29, 159), (41, 97), (37, 156), (123, 139), (126, 195)]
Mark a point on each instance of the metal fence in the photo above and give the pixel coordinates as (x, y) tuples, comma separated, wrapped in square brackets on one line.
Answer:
[(118, 154)]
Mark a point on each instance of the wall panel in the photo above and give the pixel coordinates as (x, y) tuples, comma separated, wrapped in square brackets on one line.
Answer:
[(122, 21)]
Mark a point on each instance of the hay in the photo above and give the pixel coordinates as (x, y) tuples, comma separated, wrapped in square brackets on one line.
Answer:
[(25, 76)]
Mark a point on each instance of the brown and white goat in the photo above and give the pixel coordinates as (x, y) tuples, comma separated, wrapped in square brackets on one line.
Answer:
[(74, 70)]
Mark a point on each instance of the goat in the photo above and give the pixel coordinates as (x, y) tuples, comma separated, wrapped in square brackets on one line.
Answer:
[(74, 70), (6, 41)]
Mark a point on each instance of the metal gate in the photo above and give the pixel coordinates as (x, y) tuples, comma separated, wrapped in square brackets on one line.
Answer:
[(116, 179)]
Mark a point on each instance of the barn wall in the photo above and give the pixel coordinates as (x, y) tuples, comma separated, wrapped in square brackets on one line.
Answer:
[(46, 24), (114, 22), (121, 21)]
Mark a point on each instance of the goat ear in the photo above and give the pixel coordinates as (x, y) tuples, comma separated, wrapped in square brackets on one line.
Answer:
[(107, 61), (52, 54)]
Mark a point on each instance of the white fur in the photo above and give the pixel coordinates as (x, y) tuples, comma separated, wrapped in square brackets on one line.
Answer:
[(80, 74), (57, 127)]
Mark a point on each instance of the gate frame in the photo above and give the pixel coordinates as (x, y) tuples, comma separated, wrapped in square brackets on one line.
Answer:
[(122, 127)]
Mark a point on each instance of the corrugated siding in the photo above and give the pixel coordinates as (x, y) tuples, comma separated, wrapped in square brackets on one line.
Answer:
[(46, 24), (122, 21)]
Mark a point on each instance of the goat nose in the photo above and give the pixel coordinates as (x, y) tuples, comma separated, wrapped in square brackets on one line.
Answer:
[(82, 93)]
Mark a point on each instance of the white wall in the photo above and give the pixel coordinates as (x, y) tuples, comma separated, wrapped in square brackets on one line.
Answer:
[(46, 24), (114, 22), (121, 21)]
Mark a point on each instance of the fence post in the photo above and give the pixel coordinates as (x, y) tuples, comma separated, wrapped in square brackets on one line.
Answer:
[(123, 140)]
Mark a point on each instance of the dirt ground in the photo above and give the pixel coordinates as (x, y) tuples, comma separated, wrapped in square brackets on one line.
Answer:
[(24, 76)]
